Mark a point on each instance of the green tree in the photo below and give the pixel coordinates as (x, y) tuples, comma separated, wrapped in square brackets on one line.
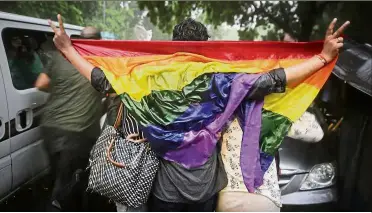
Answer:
[(303, 20), (215, 32), (118, 17), (358, 13), (297, 18), (114, 17), (157, 34), (73, 11), (106, 15)]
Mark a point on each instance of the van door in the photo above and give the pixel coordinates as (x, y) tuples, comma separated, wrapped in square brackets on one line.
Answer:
[(29, 158), (5, 160), (20, 65)]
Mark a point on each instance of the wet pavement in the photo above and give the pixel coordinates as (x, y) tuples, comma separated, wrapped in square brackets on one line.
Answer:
[(34, 197)]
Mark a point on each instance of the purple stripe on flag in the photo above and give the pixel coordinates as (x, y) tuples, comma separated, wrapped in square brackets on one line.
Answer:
[(250, 153), (198, 146)]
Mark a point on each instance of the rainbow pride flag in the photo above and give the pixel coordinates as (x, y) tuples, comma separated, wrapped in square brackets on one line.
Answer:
[(184, 93)]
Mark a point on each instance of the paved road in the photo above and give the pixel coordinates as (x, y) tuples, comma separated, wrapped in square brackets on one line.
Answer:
[(34, 197)]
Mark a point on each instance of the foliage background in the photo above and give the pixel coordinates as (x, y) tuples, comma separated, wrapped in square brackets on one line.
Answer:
[(245, 20)]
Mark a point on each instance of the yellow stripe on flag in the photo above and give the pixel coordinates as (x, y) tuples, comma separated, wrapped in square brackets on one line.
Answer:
[(175, 75), (293, 103)]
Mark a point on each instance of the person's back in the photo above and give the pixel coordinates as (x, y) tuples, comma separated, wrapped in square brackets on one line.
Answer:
[(73, 105), (70, 127), (274, 81), (177, 188)]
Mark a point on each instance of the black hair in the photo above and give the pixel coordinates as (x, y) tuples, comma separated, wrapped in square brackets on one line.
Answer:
[(190, 30), (25, 52)]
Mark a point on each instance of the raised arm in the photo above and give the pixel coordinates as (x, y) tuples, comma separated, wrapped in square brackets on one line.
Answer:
[(63, 43), (332, 43), (276, 80)]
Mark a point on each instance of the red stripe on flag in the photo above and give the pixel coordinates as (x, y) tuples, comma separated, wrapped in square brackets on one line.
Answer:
[(222, 50)]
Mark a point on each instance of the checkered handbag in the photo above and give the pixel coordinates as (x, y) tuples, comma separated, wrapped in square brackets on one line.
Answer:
[(120, 169)]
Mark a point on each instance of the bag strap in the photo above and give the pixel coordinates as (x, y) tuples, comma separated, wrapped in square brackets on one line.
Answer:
[(116, 125), (119, 116), (109, 149)]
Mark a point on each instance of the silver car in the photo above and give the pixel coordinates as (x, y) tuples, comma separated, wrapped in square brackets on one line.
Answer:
[(307, 174), (309, 171)]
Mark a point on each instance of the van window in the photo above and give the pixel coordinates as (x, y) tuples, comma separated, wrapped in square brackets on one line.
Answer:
[(26, 55)]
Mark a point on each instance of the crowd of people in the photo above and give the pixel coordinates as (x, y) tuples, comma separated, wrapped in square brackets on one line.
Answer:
[(71, 127)]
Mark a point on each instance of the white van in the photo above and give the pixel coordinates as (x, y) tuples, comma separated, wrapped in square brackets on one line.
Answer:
[(22, 157)]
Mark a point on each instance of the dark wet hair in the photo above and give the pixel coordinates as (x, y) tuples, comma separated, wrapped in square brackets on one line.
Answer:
[(190, 30)]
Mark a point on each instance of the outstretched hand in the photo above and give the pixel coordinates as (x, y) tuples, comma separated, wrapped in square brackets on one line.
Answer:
[(61, 39), (333, 40)]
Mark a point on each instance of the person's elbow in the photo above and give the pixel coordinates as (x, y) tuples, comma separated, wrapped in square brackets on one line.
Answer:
[(42, 87), (42, 82)]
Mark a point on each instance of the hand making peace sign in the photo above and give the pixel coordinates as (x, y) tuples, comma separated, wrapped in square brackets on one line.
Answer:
[(61, 39), (333, 40)]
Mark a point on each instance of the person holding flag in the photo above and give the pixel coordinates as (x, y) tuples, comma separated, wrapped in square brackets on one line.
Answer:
[(185, 140)]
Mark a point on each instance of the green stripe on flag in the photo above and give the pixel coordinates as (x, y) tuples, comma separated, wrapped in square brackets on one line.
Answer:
[(273, 130)]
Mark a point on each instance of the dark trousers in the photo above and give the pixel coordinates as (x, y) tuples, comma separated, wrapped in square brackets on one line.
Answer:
[(69, 156), (157, 205)]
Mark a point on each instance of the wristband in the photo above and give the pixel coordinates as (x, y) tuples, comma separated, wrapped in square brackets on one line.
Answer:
[(322, 59)]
